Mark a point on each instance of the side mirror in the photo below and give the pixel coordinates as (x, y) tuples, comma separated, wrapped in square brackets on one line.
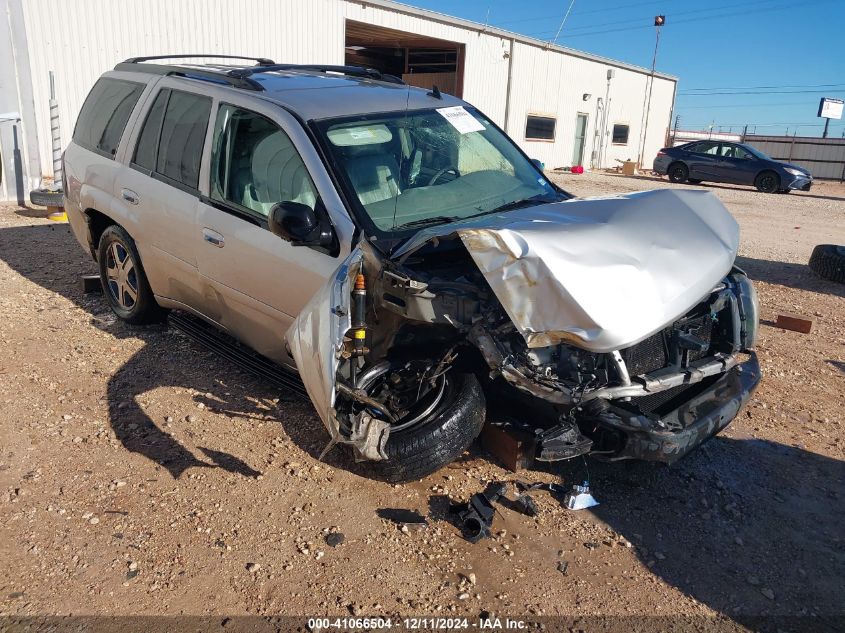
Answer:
[(539, 164), (300, 225)]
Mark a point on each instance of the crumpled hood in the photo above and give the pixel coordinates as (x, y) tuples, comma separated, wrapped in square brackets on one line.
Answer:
[(601, 273)]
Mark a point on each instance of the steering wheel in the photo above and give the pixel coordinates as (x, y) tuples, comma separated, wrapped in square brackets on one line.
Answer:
[(443, 171)]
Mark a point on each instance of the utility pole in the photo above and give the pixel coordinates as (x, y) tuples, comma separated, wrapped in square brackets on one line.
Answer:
[(659, 21), (744, 133), (675, 130)]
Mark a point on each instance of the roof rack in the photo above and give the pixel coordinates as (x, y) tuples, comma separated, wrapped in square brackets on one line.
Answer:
[(261, 61), (241, 77), (352, 71)]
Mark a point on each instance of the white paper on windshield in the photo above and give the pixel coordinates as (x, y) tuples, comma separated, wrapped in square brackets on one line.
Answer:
[(461, 120)]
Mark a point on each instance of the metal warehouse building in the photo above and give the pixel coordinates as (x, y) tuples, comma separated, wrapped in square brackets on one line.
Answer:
[(563, 106)]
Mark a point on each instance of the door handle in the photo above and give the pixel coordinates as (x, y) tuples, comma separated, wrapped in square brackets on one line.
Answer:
[(130, 196), (213, 237)]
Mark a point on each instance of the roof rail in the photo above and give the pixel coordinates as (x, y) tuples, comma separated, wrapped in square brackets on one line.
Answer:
[(241, 77), (207, 74), (352, 71), (261, 61)]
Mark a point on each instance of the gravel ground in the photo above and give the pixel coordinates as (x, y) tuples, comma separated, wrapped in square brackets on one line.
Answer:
[(141, 474)]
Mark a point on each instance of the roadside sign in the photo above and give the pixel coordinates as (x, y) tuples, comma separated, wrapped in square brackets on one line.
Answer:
[(831, 108)]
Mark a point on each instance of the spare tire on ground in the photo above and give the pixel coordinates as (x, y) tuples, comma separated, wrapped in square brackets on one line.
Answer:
[(47, 198), (828, 262)]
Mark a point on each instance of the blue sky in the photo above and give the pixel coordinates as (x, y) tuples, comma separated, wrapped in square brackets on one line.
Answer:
[(790, 53)]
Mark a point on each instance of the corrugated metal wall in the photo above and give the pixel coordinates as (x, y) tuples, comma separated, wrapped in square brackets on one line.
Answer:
[(824, 157), (96, 34), (554, 84)]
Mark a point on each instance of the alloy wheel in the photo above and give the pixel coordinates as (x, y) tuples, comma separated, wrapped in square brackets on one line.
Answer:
[(121, 276)]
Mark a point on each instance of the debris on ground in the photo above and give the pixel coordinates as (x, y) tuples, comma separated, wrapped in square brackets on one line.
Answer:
[(405, 520), (794, 322), (580, 498)]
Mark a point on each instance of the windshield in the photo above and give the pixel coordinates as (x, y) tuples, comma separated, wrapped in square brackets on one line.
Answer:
[(411, 169)]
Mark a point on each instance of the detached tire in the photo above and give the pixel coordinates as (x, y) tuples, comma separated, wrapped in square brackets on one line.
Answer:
[(47, 198), (427, 447), (125, 285), (828, 262)]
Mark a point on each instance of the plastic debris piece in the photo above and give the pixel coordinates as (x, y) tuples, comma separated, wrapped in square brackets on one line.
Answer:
[(526, 504), (477, 518), (580, 498)]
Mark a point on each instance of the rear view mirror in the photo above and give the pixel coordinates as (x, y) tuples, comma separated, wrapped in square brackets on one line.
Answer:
[(300, 225)]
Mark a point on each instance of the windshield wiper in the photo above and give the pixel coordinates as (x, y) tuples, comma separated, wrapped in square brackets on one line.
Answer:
[(436, 219), (516, 204)]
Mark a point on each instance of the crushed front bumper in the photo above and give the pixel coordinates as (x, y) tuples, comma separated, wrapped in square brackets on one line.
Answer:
[(679, 431)]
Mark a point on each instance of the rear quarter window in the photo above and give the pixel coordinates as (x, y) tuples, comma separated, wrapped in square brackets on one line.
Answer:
[(104, 114)]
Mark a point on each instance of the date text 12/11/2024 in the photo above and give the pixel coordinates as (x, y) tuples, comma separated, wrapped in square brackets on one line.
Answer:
[(416, 624)]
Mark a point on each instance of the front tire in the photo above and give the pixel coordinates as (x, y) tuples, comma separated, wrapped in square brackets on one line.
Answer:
[(448, 431), (125, 285), (767, 182), (678, 173)]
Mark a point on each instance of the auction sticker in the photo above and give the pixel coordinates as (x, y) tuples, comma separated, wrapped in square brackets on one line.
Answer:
[(461, 120)]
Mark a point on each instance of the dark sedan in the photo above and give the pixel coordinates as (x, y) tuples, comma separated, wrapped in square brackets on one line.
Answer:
[(735, 163)]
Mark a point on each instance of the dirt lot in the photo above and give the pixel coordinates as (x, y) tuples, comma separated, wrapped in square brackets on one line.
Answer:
[(141, 474)]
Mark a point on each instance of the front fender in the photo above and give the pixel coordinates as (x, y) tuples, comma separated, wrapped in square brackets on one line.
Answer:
[(316, 339)]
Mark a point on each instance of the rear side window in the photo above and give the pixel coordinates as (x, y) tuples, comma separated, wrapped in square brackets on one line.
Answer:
[(171, 141), (104, 115), (147, 148)]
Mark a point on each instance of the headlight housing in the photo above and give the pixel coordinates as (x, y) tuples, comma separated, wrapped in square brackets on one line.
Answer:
[(794, 172), (749, 310)]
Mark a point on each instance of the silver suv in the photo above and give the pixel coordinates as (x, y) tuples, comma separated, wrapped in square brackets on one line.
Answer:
[(398, 250)]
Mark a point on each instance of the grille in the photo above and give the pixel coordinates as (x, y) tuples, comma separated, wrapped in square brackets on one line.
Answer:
[(646, 356), (705, 333), (652, 353)]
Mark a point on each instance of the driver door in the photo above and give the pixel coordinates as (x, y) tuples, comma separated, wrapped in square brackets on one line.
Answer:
[(257, 282)]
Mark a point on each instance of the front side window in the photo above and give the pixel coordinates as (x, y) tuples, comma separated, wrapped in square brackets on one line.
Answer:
[(735, 151), (171, 142), (409, 169), (540, 128), (104, 115), (620, 134), (254, 164)]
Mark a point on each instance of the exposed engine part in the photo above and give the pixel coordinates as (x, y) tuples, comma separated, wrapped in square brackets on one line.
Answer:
[(361, 396), (359, 311)]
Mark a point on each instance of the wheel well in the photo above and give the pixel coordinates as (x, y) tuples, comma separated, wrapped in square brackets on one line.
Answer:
[(676, 162), (97, 223), (766, 171)]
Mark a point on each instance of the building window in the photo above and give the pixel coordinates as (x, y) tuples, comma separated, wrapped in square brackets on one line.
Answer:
[(620, 134), (540, 128)]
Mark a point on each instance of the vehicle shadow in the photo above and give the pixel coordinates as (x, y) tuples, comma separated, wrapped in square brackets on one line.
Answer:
[(747, 527), (798, 276), (49, 256)]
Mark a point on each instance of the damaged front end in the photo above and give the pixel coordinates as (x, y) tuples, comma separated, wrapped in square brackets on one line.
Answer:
[(622, 317)]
